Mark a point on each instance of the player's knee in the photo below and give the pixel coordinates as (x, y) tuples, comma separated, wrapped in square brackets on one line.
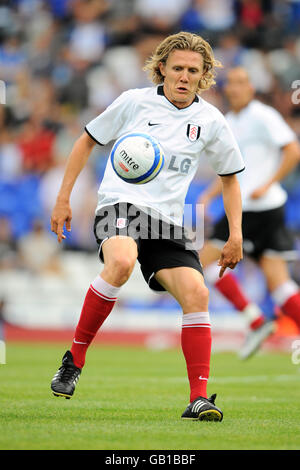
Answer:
[(196, 299), (121, 268), (202, 296)]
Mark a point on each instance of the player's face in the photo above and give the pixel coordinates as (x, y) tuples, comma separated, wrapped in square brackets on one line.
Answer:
[(182, 72), (238, 89)]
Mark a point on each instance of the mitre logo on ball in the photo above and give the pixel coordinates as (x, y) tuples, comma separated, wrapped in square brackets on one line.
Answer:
[(137, 158)]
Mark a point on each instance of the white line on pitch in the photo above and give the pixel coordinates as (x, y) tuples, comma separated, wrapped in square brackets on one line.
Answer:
[(219, 380)]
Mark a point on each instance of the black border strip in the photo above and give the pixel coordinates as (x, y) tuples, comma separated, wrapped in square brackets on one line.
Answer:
[(92, 137), (234, 173)]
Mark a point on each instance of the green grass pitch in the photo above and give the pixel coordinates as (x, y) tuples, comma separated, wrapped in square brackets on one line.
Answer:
[(132, 398)]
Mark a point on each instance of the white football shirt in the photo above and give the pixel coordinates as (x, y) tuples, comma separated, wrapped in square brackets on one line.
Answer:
[(186, 135), (261, 132)]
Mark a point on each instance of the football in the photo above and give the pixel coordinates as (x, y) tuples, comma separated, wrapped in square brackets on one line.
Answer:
[(137, 158)]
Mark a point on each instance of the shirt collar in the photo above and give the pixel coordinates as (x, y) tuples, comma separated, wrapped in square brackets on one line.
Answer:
[(160, 91)]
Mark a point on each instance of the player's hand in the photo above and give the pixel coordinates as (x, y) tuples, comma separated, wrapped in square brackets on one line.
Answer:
[(231, 254), (61, 215), (259, 192)]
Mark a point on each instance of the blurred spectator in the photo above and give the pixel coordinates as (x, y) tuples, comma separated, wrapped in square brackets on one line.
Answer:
[(36, 144), (39, 251), (12, 58), (65, 138), (210, 15), (74, 90), (59, 8), (43, 43), (87, 37), (10, 156), (251, 14), (229, 52), (293, 22), (8, 21), (162, 17), (133, 58), (8, 258), (285, 62), (122, 22)]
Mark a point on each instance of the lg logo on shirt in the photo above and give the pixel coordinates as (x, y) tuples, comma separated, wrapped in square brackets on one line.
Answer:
[(182, 166)]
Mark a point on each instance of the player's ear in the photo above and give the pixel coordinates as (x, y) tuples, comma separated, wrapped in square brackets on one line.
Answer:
[(161, 67)]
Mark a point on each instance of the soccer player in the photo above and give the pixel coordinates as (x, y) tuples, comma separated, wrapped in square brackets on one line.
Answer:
[(270, 151), (187, 128)]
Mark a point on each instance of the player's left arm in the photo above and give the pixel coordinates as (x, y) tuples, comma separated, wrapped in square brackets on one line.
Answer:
[(232, 251), (290, 158)]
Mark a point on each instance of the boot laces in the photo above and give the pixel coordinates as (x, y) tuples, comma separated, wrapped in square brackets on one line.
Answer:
[(68, 373)]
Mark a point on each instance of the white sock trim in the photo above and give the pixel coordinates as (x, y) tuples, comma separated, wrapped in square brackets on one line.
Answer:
[(252, 312), (284, 292), (104, 289), (196, 320)]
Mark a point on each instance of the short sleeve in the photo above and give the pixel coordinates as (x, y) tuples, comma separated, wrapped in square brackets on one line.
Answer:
[(276, 130), (223, 152), (107, 125)]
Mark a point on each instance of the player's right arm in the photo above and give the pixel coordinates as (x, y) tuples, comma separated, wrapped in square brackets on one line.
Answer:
[(225, 158), (62, 213), (102, 129), (232, 251)]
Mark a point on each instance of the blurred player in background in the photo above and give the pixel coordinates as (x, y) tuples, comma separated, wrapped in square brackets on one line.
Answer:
[(182, 66), (271, 151)]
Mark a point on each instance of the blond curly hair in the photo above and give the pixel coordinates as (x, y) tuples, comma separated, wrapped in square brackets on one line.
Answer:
[(183, 41)]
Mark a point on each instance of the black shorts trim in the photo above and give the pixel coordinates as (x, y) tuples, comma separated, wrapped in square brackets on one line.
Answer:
[(156, 250), (263, 232)]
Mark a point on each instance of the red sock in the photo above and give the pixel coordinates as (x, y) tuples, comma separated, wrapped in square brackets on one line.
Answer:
[(292, 308), (96, 308), (287, 296), (230, 288), (196, 347), (232, 291)]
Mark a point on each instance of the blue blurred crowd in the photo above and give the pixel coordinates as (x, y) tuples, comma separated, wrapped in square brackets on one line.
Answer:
[(62, 63)]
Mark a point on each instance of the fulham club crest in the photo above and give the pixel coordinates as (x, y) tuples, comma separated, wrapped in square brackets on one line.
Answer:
[(193, 132)]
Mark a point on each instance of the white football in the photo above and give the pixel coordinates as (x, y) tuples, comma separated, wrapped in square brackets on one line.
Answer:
[(137, 158)]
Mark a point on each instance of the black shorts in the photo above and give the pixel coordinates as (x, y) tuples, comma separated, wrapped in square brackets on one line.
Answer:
[(263, 233), (160, 244)]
